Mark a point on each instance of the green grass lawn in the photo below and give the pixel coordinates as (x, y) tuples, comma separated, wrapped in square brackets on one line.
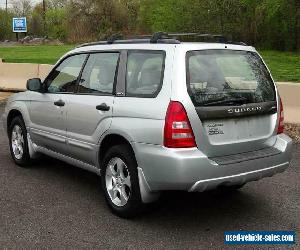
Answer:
[(48, 54), (285, 66)]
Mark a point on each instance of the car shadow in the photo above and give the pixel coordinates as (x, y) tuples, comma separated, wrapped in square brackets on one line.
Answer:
[(178, 205)]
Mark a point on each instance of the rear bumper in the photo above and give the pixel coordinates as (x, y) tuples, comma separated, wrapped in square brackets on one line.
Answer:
[(191, 170), (238, 179)]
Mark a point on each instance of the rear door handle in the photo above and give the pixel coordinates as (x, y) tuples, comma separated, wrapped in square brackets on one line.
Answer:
[(103, 107), (59, 103)]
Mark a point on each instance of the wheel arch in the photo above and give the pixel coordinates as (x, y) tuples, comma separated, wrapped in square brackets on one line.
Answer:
[(11, 115), (18, 108), (110, 140)]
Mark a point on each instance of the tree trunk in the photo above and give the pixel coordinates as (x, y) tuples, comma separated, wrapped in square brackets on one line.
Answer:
[(296, 25)]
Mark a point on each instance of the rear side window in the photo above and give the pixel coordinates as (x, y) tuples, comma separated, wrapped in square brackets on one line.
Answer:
[(225, 78), (144, 75), (99, 73)]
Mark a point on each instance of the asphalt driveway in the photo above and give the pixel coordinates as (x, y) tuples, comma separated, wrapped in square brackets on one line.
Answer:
[(55, 205)]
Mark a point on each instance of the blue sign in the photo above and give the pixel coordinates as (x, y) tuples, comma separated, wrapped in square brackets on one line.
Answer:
[(19, 24)]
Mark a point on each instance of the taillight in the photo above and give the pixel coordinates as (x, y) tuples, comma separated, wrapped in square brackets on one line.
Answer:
[(178, 132), (281, 119)]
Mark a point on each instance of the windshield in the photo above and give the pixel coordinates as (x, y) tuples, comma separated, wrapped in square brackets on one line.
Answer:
[(227, 77)]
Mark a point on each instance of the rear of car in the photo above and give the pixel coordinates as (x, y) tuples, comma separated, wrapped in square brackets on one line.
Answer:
[(158, 115), (224, 123)]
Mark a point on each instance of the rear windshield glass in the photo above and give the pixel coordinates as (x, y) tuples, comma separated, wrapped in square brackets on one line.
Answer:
[(226, 77)]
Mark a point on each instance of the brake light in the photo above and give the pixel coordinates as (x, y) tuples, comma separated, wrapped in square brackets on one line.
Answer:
[(178, 132), (281, 119)]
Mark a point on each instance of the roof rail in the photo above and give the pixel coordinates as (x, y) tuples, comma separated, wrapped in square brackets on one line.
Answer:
[(91, 44), (162, 37), (110, 40), (220, 38)]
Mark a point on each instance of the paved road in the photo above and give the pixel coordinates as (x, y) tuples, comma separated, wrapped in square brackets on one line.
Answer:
[(54, 205)]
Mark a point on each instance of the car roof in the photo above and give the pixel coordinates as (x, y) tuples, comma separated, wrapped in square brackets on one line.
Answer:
[(186, 46)]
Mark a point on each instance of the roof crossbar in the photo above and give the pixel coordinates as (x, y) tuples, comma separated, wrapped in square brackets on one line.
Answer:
[(113, 38), (158, 36)]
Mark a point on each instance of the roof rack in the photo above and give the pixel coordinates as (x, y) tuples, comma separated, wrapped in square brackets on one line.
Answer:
[(163, 37), (113, 38), (219, 38)]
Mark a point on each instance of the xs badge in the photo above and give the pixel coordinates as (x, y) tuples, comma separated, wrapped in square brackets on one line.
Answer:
[(215, 129)]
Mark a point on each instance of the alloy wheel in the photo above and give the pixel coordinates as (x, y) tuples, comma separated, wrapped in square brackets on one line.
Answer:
[(117, 180), (17, 142)]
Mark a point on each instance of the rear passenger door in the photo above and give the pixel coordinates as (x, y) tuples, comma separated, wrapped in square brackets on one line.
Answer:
[(89, 111), (140, 113)]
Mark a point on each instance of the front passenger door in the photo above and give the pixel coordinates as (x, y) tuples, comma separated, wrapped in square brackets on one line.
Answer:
[(48, 110)]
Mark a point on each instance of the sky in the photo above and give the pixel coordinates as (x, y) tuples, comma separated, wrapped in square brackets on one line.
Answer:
[(2, 2)]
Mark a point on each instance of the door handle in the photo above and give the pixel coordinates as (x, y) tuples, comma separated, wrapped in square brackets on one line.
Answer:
[(103, 107), (59, 103)]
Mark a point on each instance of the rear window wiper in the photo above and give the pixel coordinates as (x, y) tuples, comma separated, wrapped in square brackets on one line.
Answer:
[(235, 101)]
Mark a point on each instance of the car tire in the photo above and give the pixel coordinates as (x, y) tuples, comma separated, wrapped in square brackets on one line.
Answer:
[(18, 142), (119, 178)]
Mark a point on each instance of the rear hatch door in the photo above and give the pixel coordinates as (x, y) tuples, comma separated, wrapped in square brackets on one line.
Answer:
[(235, 100)]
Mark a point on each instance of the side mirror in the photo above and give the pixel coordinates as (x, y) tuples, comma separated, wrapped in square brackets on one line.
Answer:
[(34, 84)]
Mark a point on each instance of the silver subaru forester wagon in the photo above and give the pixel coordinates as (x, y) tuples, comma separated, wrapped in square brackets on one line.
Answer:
[(154, 114)]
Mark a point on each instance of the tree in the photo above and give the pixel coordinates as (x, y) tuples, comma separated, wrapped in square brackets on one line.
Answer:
[(21, 7), (5, 24)]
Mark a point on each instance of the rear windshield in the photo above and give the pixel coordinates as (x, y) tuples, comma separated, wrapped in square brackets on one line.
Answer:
[(226, 77)]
